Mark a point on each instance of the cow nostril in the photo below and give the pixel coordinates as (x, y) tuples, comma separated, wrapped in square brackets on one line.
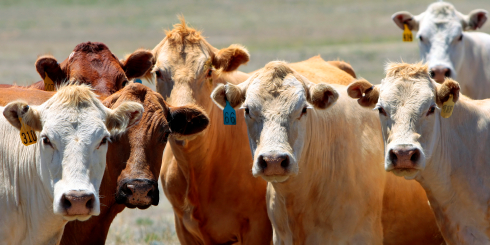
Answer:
[(392, 156), (285, 162), (65, 202), (447, 73), (90, 203), (415, 156), (432, 74), (262, 162)]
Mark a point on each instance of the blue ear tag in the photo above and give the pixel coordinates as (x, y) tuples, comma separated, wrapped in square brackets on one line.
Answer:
[(229, 115), (137, 80)]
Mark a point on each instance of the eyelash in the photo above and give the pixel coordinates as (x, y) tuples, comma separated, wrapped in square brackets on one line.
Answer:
[(380, 110)]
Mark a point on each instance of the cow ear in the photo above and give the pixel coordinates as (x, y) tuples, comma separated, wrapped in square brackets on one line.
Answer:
[(229, 92), (322, 95), (138, 63), (366, 93), (20, 109), (47, 64), (229, 59), (448, 87), (475, 19), (404, 17), (344, 66), (126, 115), (187, 120)]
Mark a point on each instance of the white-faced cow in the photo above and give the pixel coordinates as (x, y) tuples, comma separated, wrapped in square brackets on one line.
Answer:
[(57, 179), (449, 49), (449, 157), (319, 191)]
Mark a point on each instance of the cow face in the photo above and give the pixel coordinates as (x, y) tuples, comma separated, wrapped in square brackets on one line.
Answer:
[(441, 36), (276, 101), (74, 130), (188, 68), (409, 103), (95, 65), (134, 159)]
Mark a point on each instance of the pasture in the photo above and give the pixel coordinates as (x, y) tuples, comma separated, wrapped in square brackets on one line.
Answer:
[(359, 32)]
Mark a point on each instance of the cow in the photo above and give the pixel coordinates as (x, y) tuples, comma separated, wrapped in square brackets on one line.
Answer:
[(94, 64), (57, 179), (299, 131), (133, 159), (449, 49), (449, 157), (215, 198)]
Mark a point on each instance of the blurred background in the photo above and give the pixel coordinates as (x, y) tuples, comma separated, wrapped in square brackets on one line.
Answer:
[(359, 32)]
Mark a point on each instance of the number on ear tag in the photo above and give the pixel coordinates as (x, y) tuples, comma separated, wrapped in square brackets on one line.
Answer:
[(229, 115), (407, 34), (48, 83), (447, 107), (27, 134)]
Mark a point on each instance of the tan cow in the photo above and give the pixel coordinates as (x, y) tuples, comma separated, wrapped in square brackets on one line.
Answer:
[(449, 157), (318, 192), (215, 198)]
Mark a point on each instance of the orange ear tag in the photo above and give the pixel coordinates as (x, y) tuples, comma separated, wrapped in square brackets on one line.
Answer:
[(447, 107), (407, 34), (48, 83), (27, 134)]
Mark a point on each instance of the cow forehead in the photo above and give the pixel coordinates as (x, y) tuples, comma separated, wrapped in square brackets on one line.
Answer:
[(185, 61), (281, 96), (81, 123), (406, 92)]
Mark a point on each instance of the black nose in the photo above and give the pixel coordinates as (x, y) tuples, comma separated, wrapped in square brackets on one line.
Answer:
[(404, 157), (140, 193), (274, 164)]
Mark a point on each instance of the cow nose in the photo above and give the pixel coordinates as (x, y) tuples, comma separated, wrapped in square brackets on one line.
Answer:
[(140, 193), (274, 164), (404, 157), (78, 202), (439, 73)]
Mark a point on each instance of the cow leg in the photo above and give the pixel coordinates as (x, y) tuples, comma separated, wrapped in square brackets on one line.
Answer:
[(185, 237)]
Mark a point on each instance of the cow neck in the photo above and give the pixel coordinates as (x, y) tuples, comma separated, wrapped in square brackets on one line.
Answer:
[(329, 176), (455, 176), (28, 195)]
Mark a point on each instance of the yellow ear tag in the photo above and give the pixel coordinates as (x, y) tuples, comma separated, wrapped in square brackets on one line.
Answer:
[(447, 107), (407, 34), (27, 134), (48, 83)]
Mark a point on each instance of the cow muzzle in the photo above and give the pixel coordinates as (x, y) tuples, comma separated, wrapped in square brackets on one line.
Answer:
[(439, 73), (273, 166), (78, 205), (138, 193), (404, 160)]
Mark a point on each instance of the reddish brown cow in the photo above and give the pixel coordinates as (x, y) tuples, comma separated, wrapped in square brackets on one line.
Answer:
[(94, 64), (133, 160)]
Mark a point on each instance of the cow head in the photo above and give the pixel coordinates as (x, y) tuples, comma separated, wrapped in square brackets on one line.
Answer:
[(409, 103), (188, 68), (74, 130), (441, 36), (134, 159), (276, 101), (94, 64)]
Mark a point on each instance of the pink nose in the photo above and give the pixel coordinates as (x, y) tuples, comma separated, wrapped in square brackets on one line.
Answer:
[(78, 202), (439, 73), (274, 164), (404, 158)]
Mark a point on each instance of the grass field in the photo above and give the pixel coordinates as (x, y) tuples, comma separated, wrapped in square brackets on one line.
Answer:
[(360, 32)]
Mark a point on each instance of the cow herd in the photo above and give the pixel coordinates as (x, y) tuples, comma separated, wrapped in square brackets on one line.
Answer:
[(308, 160)]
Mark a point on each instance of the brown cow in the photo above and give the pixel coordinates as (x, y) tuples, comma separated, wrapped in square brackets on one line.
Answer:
[(133, 160), (215, 198), (94, 64)]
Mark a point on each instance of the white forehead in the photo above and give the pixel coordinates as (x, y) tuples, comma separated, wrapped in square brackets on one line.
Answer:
[(440, 16), (399, 91), (285, 96)]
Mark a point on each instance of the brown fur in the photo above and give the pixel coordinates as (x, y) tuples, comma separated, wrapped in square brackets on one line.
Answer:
[(448, 87), (344, 66), (366, 93)]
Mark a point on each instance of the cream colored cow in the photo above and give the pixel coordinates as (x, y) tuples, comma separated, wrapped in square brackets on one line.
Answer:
[(57, 179), (449, 157)]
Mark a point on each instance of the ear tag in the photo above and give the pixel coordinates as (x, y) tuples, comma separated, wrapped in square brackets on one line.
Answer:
[(27, 134), (48, 83), (137, 80), (229, 115), (447, 107), (407, 34)]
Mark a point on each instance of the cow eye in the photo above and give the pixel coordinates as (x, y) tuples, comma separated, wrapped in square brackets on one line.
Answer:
[(460, 37), (210, 72), (380, 110), (432, 109), (103, 141), (124, 83), (247, 111), (158, 73), (421, 38), (46, 141)]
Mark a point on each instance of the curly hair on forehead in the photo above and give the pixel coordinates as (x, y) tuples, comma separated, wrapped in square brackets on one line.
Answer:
[(183, 34), (90, 47), (407, 71)]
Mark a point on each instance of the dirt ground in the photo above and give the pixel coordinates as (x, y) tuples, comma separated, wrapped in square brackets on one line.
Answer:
[(359, 32)]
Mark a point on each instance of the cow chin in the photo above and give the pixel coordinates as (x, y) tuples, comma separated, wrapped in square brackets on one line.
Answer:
[(275, 178), (76, 217), (408, 173)]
